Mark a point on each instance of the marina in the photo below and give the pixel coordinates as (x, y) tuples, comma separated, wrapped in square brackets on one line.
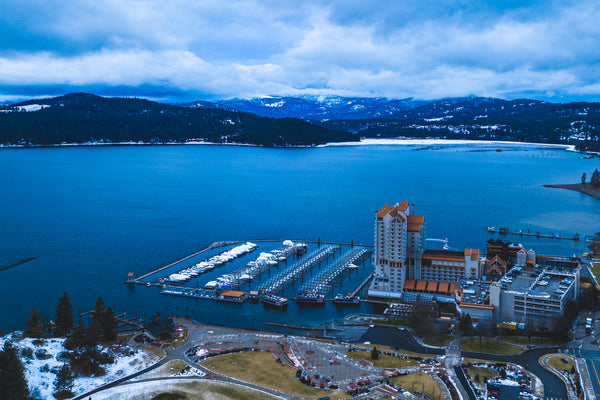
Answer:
[(269, 277)]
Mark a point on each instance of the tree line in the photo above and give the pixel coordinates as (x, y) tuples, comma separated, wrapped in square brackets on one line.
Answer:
[(84, 357), (594, 179)]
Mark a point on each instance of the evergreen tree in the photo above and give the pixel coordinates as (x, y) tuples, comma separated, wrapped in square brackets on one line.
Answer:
[(595, 179), (12, 377), (63, 383), (374, 353), (109, 326), (583, 178), (34, 324), (594, 247), (77, 339), (96, 329), (64, 316), (465, 324)]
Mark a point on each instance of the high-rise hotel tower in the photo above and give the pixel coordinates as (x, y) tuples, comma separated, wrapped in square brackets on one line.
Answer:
[(399, 247)]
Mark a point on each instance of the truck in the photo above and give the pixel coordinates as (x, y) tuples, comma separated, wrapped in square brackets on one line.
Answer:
[(588, 325)]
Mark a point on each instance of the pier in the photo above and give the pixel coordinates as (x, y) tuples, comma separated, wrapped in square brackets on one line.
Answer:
[(157, 270), (324, 283), (17, 264), (280, 282), (363, 284), (506, 231)]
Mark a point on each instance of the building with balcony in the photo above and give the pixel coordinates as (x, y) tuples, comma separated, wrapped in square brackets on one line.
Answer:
[(404, 269)]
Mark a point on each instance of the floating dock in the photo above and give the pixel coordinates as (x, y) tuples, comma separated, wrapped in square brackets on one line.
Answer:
[(297, 271), (323, 284), (288, 271)]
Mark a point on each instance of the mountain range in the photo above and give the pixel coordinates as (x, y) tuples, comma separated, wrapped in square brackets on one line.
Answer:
[(86, 118), (457, 118), (296, 121)]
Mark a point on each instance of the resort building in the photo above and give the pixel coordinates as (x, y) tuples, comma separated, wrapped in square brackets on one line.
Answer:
[(532, 294), (404, 269)]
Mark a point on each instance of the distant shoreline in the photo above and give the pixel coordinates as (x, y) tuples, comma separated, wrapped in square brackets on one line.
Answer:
[(362, 142), (578, 187)]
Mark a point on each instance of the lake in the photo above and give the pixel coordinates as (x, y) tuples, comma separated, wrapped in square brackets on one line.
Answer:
[(93, 214)]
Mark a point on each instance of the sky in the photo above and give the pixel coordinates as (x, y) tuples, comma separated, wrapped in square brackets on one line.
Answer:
[(183, 50)]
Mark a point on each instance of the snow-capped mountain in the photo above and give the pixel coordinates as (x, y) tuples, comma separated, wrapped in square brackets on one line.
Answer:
[(316, 108)]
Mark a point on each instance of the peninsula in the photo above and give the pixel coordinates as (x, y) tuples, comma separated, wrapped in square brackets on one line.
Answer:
[(584, 188)]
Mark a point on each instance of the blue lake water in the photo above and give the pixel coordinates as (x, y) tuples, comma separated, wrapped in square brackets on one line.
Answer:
[(92, 214)]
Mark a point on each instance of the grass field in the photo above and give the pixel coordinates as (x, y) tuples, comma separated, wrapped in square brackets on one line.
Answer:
[(482, 372), (261, 369), (492, 347), (420, 382), (435, 340), (408, 353), (183, 390), (169, 369), (177, 343), (596, 270), (391, 321), (384, 361), (558, 364), (525, 339), (211, 391)]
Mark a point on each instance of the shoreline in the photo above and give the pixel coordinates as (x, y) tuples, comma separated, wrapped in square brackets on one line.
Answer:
[(362, 142), (586, 189)]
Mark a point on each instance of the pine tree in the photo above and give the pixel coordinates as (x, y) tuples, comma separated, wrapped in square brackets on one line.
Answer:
[(595, 179), (64, 316), (77, 339), (34, 324), (96, 329), (109, 326), (64, 380), (374, 353), (465, 324), (583, 178), (12, 377)]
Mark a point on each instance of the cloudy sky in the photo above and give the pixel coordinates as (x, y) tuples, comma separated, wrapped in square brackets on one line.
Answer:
[(179, 50)]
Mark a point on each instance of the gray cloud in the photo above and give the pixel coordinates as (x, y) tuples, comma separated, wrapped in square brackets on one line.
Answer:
[(215, 49)]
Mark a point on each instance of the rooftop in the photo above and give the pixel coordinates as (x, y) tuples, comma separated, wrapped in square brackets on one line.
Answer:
[(550, 282)]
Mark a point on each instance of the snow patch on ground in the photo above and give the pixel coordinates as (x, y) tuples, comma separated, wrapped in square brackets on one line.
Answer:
[(33, 107), (425, 142), (40, 370)]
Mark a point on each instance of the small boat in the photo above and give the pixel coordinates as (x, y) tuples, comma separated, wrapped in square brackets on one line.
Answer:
[(311, 299), (491, 229), (178, 278), (274, 301), (211, 285), (340, 299)]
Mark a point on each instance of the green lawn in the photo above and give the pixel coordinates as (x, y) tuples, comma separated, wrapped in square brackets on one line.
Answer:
[(261, 369), (391, 321), (558, 363), (435, 340), (492, 347), (525, 339), (420, 382), (596, 270), (383, 361), (482, 372)]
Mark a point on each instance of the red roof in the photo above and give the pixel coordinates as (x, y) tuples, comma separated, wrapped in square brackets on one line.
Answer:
[(392, 210)]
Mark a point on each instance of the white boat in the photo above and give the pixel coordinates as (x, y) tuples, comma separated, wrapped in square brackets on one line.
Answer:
[(178, 278), (211, 285)]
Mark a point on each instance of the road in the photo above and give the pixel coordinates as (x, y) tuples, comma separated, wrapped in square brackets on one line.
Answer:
[(554, 388)]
